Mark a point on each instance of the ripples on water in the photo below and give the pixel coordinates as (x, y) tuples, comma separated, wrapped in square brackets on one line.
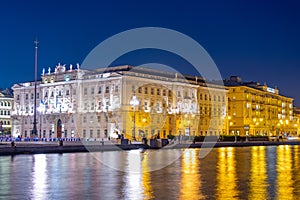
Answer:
[(226, 173)]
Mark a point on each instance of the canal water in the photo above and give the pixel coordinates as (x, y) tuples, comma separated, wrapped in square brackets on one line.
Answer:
[(271, 172)]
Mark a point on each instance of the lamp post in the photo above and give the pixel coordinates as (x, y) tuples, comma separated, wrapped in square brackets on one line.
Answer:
[(134, 102)]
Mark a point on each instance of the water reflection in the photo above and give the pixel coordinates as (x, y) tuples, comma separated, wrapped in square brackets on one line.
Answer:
[(146, 178), (39, 176), (284, 173), (226, 174), (258, 176), (190, 177)]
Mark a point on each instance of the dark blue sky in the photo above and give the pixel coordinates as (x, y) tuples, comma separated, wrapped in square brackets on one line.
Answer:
[(257, 40)]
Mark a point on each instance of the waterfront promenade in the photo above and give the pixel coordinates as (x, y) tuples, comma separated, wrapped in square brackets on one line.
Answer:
[(68, 147)]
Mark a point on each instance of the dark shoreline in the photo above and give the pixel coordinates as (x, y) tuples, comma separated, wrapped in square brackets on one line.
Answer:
[(42, 148)]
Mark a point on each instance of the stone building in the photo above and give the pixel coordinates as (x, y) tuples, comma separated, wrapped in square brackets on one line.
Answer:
[(6, 107), (132, 101), (255, 109)]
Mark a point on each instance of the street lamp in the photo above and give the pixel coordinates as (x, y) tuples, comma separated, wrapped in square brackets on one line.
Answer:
[(134, 102)]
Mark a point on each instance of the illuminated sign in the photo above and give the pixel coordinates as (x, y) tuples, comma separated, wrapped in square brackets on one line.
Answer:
[(270, 90)]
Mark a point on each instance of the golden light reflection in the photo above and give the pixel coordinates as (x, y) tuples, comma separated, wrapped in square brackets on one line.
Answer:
[(39, 176), (284, 173), (146, 179), (226, 170), (258, 173), (133, 177), (190, 178)]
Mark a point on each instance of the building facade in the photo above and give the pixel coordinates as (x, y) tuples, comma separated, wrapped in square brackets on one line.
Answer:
[(6, 107), (135, 102), (255, 109)]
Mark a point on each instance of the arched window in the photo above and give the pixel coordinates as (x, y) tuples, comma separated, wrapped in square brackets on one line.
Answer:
[(5, 103), (1, 103)]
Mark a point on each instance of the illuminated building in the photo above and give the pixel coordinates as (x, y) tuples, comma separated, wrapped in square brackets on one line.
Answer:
[(6, 106), (125, 100), (255, 109)]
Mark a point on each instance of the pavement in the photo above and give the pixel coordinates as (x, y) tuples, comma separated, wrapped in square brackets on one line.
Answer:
[(68, 147)]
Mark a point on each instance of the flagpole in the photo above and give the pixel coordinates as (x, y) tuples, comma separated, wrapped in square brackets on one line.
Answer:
[(34, 130)]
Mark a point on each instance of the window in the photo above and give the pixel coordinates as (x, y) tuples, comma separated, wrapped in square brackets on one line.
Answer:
[(32, 95), (99, 89), (99, 118), (164, 93), (37, 95), (84, 133), (116, 88), (146, 90), (84, 119), (91, 133), (92, 90), (140, 90), (18, 97), (85, 91), (92, 106), (26, 97), (107, 89), (74, 91), (152, 91), (67, 92), (158, 91)]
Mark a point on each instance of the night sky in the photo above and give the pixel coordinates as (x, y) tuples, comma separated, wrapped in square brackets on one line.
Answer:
[(257, 40)]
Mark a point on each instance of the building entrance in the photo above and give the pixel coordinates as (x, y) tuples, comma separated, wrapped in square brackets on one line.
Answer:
[(59, 129)]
